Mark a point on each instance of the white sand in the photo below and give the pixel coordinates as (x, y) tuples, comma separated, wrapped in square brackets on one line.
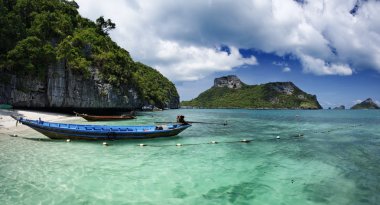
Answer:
[(8, 124)]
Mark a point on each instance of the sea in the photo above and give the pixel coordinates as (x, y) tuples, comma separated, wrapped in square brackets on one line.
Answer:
[(287, 157)]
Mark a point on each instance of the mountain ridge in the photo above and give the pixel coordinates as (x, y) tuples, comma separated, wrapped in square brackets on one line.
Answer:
[(273, 95)]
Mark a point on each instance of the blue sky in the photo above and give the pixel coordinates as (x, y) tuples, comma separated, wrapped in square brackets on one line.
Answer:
[(332, 91), (327, 48)]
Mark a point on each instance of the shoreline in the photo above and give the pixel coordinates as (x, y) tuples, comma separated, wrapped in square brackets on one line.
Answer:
[(8, 124)]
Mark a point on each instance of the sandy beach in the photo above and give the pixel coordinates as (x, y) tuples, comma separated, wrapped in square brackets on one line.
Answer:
[(8, 124)]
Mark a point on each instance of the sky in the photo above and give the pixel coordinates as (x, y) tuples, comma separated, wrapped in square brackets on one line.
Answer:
[(327, 48)]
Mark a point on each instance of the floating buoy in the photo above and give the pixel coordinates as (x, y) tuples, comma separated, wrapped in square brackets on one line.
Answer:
[(178, 145), (245, 141), (68, 140), (105, 144), (142, 145), (278, 137), (214, 142)]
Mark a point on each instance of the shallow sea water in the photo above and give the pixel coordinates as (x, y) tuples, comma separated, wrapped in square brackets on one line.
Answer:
[(322, 157)]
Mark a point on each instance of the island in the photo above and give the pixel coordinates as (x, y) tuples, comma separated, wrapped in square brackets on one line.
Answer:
[(342, 107), (231, 92), (366, 104), (52, 57)]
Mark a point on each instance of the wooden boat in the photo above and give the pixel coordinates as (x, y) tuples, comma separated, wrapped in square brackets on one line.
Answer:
[(101, 132), (105, 117)]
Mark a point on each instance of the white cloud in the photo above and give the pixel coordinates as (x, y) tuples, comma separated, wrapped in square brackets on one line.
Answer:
[(180, 37), (184, 63), (320, 67), (286, 70)]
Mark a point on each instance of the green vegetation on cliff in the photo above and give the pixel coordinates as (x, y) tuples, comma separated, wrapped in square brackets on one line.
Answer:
[(277, 95), (152, 87), (36, 34)]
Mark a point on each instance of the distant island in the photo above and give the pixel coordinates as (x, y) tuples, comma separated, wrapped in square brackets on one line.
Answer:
[(366, 104), (342, 107), (230, 92)]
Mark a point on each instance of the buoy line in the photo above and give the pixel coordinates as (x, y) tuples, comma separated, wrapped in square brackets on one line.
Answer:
[(275, 137), (328, 130), (192, 144)]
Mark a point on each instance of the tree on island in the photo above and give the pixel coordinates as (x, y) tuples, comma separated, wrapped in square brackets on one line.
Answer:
[(105, 26)]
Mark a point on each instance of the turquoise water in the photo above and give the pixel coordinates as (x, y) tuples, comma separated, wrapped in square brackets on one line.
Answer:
[(322, 157)]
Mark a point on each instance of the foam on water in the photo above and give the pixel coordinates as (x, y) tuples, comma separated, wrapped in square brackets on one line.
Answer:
[(322, 157)]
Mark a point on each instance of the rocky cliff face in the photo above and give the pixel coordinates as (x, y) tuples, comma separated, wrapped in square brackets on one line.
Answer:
[(64, 89), (230, 81), (366, 104), (67, 61)]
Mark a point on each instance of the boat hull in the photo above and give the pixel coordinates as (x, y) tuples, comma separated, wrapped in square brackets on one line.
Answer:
[(101, 132), (105, 118)]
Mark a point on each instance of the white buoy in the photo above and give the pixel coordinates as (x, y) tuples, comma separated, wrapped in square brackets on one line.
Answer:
[(214, 142), (278, 137), (142, 145), (68, 140), (245, 140), (105, 143), (178, 145)]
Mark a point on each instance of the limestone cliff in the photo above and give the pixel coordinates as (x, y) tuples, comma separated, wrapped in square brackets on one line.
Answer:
[(230, 81), (65, 89), (52, 57)]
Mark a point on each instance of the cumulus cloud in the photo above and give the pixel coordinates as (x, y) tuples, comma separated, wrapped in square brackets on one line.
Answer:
[(184, 63), (320, 67), (181, 38)]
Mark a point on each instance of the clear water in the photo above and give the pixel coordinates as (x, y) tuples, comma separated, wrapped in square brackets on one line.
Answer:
[(335, 161)]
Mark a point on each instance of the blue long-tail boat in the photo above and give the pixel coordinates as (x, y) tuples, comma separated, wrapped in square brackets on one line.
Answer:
[(102, 132)]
